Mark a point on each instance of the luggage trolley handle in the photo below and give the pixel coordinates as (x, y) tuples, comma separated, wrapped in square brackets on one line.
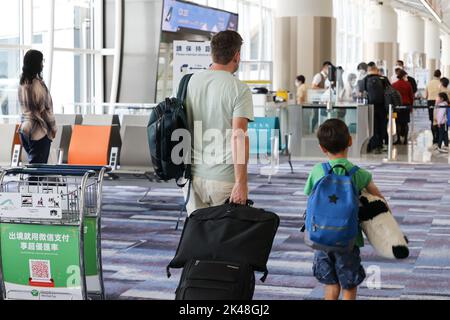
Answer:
[(50, 172), (45, 170), (65, 168)]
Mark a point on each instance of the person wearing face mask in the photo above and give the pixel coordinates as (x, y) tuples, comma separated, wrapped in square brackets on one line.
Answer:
[(320, 80), (349, 93), (216, 100), (411, 80), (362, 74), (403, 116), (302, 89)]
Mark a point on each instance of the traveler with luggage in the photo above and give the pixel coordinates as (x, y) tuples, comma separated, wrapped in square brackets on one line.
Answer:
[(332, 226), (404, 114), (374, 86), (219, 103), (442, 106), (431, 95), (38, 127)]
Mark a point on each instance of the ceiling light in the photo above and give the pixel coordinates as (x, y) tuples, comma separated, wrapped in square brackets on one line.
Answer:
[(431, 10)]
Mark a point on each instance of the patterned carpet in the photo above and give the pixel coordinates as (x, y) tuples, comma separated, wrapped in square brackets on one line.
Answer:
[(140, 240)]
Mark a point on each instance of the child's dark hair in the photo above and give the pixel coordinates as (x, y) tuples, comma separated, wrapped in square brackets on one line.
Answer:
[(334, 136), (301, 79), (444, 96), (445, 82)]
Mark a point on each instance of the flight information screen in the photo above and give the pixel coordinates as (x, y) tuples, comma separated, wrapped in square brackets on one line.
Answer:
[(178, 15)]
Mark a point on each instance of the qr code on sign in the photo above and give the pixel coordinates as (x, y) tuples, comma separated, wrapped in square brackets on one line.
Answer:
[(40, 270)]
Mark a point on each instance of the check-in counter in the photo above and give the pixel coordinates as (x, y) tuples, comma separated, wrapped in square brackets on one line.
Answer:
[(265, 107), (305, 120)]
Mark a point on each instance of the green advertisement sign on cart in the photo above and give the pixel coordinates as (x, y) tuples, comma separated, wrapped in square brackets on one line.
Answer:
[(41, 262)]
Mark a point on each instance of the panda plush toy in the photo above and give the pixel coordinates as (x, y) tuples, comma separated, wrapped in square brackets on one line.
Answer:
[(381, 228)]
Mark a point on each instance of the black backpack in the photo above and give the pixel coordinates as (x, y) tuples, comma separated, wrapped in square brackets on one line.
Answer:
[(230, 232), (392, 97), (374, 86), (165, 119), (217, 281), (413, 83)]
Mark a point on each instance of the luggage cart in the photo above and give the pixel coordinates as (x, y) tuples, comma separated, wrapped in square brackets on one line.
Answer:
[(50, 235)]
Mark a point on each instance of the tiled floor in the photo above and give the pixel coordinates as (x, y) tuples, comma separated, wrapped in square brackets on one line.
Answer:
[(140, 240)]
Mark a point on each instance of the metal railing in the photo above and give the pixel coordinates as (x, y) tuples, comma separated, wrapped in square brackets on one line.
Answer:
[(107, 108)]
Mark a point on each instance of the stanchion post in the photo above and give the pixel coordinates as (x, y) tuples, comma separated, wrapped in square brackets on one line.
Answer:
[(413, 127), (390, 135)]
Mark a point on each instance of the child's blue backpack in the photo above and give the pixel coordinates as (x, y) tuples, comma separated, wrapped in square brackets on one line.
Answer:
[(332, 212)]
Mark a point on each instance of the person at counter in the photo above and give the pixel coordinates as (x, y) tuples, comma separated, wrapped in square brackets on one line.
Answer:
[(302, 90), (320, 80), (431, 95), (403, 116), (374, 85), (411, 80), (349, 93), (362, 74)]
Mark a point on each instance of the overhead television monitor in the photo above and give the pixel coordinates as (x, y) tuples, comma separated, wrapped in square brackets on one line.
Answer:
[(179, 16)]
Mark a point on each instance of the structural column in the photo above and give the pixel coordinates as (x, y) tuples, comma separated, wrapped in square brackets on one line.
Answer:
[(446, 55), (432, 46), (381, 35), (304, 37), (412, 40)]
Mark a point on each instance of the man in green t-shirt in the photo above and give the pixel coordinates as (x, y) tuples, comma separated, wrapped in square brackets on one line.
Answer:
[(219, 108), (338, 271)]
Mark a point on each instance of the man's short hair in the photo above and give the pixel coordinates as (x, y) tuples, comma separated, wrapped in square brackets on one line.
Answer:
[(363, 66), (401, 63), (372, 65), (438, 73), (334, 136), (225, 45), (444, 82), (327, 64)]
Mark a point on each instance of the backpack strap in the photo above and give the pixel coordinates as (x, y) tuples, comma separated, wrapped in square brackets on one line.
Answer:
[(182, 89), (354, 170), (327, 168)]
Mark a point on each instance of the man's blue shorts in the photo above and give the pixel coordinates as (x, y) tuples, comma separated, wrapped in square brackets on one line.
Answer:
[(334, 268)]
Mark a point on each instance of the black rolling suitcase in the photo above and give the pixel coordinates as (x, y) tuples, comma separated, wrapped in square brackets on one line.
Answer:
[(214, 280), (242, 234)]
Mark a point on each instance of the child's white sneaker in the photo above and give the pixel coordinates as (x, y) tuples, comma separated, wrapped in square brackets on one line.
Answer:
[(442, 150)]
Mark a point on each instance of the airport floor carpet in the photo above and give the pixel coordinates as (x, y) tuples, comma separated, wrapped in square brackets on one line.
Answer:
[(140, 240)]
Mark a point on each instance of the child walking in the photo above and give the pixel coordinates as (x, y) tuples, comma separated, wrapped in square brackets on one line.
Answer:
[(442, 105), (340, 272)]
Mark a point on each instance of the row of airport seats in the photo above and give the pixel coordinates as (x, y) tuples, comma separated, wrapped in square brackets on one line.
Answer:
[(105, 140), (91, 140)]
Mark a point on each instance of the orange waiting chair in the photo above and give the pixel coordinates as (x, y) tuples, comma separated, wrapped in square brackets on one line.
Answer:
[(90, 145)]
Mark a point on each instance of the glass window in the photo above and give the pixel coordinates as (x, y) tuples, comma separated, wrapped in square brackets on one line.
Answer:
[(9, 80), (41, 19), (10, 22), (72, 79), (73, 24)]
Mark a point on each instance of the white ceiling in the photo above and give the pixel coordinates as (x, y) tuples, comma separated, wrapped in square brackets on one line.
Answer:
[(416, 6)]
